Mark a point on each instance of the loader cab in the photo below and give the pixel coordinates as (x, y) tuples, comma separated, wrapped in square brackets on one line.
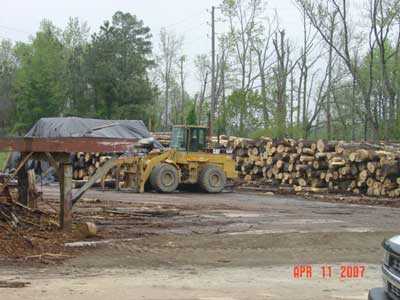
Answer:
[(189, 138)]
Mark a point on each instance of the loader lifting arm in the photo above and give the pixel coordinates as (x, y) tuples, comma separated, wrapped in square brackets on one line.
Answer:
[(143, 167)]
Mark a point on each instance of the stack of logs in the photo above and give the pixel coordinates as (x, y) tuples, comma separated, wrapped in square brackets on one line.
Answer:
[(315, 166), (163, 137), (85, 164), (359, 168)]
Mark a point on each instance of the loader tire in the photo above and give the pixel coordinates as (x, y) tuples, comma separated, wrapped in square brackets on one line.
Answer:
[(212, 179), (164, 178)]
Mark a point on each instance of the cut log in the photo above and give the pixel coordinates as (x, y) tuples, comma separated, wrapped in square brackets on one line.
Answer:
[(325, 146)]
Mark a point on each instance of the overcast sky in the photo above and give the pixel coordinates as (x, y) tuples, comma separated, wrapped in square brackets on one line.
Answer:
[(20, 19)]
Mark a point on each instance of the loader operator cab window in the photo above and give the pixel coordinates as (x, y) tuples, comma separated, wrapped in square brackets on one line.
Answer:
[(197, 139), (179, 137), (189, 139)]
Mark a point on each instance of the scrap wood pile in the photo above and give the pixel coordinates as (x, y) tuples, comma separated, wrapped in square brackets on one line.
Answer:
[(320, 166), (29, 233)]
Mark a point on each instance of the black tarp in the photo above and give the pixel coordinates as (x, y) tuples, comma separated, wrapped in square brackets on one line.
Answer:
[(82, 127)]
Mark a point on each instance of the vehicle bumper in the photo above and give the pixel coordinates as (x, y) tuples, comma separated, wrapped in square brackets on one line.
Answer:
[(377, 294), (391, 279)]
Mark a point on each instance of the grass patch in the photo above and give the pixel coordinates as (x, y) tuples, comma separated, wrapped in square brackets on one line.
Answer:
[(3, 158)]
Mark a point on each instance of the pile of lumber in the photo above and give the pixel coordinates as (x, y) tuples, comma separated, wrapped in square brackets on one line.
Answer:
[(163, 137), (223, 140), (319, 166), (85, 164)]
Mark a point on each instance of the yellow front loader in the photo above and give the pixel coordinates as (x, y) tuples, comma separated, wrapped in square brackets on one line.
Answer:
[(187, 161)]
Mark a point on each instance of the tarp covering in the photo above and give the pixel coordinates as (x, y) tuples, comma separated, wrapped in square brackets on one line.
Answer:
[(81, 127)]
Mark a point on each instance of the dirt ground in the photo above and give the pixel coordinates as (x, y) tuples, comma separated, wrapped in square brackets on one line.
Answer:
[(212, 247)]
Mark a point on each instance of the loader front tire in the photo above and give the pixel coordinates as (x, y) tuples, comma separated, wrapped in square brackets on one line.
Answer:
[(212, 179), (164, 178)]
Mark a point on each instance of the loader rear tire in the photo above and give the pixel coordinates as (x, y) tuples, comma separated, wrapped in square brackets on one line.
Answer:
[(164, 178), (212, 179)]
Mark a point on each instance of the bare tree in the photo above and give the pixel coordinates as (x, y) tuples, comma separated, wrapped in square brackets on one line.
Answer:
[(202, 65), (305, 65), (260, 43), (281, 70), (329, 74), (318, 12), (170, 46), (242, 17), (383, 14), (222, 68)]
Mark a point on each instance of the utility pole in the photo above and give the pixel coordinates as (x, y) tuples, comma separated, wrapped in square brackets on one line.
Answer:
[(182, 106), (213, 83)]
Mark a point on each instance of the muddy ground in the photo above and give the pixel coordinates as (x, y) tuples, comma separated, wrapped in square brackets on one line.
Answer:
[(201, 246)]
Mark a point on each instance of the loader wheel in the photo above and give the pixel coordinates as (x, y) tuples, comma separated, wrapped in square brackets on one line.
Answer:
[(212, 179), (164, 178)]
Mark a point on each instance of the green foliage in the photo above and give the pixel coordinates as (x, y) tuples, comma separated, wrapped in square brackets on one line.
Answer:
[(371, 78), (118, 60), (293, 132), (8, 68), (38, 85), (229, 3), (191, 118), (75, 47), (3, 158), (243, 112), (62, 73)]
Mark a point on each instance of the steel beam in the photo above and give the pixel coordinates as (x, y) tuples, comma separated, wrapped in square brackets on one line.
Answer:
[(66, 145)]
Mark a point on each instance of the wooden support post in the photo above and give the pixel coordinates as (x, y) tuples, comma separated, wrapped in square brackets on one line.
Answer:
[(117, 177), (23, 182), (66, 196), (33, 195)]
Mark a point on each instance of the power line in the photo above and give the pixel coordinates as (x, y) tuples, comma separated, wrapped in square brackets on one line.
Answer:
[(193, 28), (190, 17)]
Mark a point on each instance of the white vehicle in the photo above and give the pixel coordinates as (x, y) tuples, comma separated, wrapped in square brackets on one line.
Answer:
[(390, 272)]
